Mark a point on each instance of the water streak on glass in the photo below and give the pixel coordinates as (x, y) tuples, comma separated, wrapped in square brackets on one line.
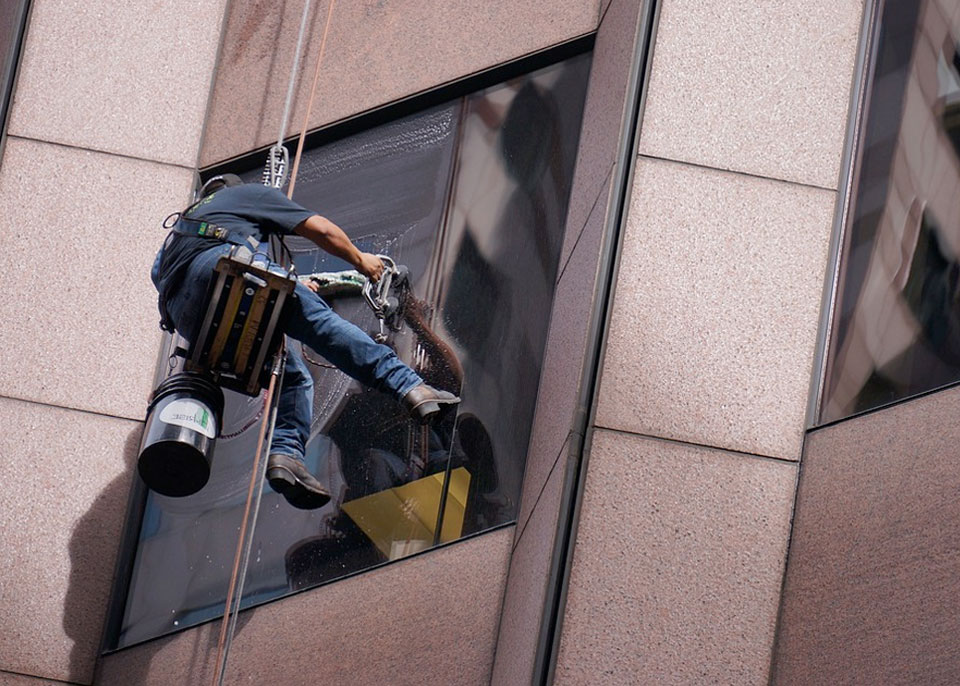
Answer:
[(471, 197), (896, 330)]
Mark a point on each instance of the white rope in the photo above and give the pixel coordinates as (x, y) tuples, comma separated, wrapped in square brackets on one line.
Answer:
[(278, 159), (293, 75), (313, 95), (274, 175)]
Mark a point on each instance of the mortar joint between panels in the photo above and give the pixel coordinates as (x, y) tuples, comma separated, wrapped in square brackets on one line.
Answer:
[(736, 172), (692, 444), (39, 680), (522, 525), (98, 151), (70, 408)]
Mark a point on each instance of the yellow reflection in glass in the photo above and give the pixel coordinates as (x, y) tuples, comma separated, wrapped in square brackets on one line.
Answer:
[(401, 521)]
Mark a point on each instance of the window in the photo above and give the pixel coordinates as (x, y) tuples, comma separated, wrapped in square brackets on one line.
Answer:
[(896, 329), (471, 196), (13, 19)]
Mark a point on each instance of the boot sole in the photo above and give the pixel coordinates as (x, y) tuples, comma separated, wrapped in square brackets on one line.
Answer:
[(285, 482)]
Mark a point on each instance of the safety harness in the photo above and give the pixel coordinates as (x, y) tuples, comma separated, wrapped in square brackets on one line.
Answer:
[(187, 226)]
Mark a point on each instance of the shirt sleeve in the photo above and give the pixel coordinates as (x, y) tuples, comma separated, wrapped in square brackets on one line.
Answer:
[(275, 212)]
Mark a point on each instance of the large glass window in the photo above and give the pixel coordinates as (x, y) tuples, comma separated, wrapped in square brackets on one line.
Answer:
[(13, 15), (896, 330), (471, 196)]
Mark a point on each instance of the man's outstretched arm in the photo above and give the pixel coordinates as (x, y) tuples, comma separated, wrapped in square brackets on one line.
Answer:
[(332, 239)]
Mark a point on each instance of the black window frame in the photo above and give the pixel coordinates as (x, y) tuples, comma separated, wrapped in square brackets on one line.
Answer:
[(254, 159)]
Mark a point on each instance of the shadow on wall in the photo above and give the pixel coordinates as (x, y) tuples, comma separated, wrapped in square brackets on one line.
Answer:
[(94, 546)]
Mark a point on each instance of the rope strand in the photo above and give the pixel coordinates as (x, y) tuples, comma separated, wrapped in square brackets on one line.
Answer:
[(243, 551), (293, 75), (313, 93), (255, 489)]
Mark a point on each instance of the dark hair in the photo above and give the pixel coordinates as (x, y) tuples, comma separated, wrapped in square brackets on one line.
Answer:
[(218, 182)]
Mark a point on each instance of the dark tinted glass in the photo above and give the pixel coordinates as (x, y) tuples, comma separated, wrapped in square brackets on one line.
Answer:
[(471, 198), (897, 323), (12, 14)]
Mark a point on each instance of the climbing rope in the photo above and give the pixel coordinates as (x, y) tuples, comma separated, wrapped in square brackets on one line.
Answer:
[(275, 170), (313, 94), (274, 175)]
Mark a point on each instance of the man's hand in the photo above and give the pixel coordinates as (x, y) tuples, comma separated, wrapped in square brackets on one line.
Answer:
[(331, 238), (370, 266)]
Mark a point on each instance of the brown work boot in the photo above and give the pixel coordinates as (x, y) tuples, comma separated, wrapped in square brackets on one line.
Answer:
[(426, 404), (290, 477)]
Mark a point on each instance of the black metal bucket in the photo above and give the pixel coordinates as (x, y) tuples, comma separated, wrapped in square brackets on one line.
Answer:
[(183, 422)]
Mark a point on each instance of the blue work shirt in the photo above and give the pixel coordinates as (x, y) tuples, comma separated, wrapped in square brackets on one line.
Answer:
[(250, 210)]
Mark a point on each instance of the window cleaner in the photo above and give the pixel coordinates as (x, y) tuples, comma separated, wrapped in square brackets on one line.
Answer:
[(191, 273)]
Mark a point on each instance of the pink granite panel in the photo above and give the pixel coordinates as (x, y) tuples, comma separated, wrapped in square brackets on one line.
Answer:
[(603, 116), (872, 591), (66, 478), (377, 51), (525, 596), (714, 321), (123, 77), (760, 87), (80, 323), (11, 679), (677, 568), (604, 6), (430, 619)]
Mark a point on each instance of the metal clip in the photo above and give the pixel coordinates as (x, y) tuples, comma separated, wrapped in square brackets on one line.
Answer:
[(275, 168), (379, 298), (171, 220)]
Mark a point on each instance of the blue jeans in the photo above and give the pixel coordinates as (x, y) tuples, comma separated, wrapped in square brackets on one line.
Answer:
[(312, 322)]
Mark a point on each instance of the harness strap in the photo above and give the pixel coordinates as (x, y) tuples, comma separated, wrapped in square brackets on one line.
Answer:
[(187, 226)]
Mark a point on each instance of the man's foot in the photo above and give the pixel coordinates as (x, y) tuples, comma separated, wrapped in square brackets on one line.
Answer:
[(289, 477), (426, 404)]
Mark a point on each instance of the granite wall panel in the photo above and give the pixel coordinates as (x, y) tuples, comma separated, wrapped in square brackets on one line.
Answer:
[(430, 619), (377, 51), (526, 591), (66, 476), (677, 568), (80, 230), (122, 77), (714, 322), (871, 594), (757, 87)]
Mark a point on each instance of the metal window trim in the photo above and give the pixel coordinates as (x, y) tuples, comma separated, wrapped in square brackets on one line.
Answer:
[(11, 67), (863, 73), (551, 623)]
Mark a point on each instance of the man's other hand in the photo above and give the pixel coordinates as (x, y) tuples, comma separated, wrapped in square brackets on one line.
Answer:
[(370, 266)]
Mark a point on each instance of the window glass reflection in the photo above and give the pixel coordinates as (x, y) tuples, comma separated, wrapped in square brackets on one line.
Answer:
[(11, 18), (471, 197), (897, 323)]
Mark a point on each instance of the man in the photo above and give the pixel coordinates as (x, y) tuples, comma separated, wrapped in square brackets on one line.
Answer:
[(182, 273)]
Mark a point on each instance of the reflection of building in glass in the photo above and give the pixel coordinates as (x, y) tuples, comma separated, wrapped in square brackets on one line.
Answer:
[(12, 21), (898, 328)]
